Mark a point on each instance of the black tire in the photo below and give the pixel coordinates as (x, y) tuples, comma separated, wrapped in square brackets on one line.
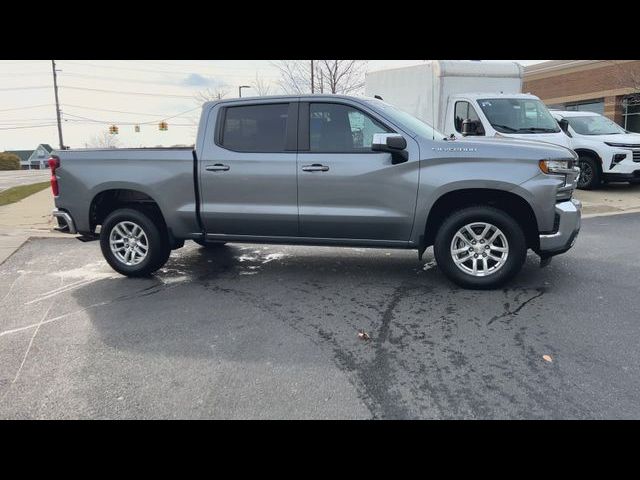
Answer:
[(158, 248), (590, 177), (205, 244), (515, 258)]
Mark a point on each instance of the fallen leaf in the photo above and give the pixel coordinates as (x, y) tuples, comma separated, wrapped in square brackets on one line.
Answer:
[(547, 358), (362, 335)]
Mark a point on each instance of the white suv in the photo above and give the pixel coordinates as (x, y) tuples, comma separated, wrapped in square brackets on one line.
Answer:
[(608, 153)]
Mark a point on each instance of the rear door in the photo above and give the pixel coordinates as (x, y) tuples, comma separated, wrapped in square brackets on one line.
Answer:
[(346, 190), (248, 169)]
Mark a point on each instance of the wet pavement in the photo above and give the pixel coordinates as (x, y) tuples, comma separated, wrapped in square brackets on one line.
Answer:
[(268, 331)]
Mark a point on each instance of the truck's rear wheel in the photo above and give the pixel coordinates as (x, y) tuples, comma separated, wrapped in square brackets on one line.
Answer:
[(133, 242), (589, 175), (480, 247)]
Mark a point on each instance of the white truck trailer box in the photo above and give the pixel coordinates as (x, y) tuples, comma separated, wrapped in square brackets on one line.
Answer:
[(431, 91)]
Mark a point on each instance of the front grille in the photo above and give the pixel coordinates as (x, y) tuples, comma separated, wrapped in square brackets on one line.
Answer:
[(635, 148)]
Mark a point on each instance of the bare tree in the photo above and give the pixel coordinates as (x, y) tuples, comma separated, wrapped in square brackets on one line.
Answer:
[(295, 76), (261, 86), (103, 140), (329, 76), (210, 94), (342, 76)]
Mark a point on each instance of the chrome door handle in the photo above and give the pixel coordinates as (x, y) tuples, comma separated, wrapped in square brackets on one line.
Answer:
[(316, 167), (218, 167)]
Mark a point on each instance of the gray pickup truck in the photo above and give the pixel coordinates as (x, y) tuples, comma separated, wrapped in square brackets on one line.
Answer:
[(324, 170)]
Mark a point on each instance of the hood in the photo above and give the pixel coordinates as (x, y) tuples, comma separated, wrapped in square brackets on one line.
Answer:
[(623, 138), (497, 148), (536, 149), (557, 138)]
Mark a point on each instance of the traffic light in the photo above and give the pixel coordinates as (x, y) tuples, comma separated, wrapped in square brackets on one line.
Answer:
[(137, 128), (113, 129), (163, 126)]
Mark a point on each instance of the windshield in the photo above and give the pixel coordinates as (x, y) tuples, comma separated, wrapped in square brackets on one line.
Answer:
[(403, 118), (518, 115), (594, 125)]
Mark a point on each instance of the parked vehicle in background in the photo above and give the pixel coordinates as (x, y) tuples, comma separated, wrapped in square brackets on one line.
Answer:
[(449, 95), (607, 152), (324, 170)]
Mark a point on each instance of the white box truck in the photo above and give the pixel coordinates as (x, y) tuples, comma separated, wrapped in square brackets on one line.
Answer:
[(463, 97)]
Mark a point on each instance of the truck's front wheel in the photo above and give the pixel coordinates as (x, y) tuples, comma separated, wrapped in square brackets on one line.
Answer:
[(133, 242), (480, 247)]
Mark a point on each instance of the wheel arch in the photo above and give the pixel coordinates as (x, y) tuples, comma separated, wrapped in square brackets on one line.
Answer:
[(587, 152), (511, 203), (106, 201)]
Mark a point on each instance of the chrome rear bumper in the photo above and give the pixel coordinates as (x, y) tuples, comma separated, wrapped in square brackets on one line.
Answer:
[(65, 222)]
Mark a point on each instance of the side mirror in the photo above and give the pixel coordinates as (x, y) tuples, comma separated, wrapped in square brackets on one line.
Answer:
[(564, 126), (393, 143), (472, 127)]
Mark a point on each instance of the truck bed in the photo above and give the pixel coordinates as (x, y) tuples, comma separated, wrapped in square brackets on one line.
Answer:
[(166, 175)]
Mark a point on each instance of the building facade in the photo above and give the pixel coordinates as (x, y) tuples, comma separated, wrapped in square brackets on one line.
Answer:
[(34, 159), (608, 87)]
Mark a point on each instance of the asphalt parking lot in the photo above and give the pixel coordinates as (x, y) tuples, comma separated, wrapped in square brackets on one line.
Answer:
[(267, 331), (14, 178)]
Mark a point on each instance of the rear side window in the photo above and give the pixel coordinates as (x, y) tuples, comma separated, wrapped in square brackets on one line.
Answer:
[(255, 128), (340, 128)]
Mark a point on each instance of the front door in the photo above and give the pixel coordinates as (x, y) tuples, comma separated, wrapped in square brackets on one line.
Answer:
[(248, 174), (346, 190)]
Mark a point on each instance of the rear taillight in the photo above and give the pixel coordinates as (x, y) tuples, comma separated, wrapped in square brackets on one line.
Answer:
[(54, 163)]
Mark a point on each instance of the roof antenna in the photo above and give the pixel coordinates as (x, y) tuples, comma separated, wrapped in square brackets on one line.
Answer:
[(378, 97)]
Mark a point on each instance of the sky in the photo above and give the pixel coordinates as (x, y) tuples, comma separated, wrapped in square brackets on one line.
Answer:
[(95, 94)]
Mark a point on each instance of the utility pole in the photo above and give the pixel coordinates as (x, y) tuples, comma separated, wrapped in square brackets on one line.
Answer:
[(55, 89), (312, 76)]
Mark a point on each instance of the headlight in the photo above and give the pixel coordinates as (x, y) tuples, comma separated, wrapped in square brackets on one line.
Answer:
[(556, 166)]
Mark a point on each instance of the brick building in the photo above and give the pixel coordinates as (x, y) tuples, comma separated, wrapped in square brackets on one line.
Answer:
[(608, 87)]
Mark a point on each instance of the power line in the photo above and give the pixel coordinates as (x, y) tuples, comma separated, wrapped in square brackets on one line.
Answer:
[(22, 74), (25, 108), (131, 113), (223, 79), (18, 121), (125, 93), (119, 79), (172, 72), (19, 62), (24, 88), (29, 126), (100, 122), (193, 65)]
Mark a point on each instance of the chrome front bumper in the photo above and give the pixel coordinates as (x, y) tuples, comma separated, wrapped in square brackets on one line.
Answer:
[(569, 213), (65, 222)]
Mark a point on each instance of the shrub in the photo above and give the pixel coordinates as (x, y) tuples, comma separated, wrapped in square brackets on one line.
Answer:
[(9, 161)]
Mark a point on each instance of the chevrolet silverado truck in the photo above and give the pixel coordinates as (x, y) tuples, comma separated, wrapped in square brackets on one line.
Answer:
[(324, 170)]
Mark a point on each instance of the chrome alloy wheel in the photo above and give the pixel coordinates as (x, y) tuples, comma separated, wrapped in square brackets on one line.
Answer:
[(479, 249), (129, 243)]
